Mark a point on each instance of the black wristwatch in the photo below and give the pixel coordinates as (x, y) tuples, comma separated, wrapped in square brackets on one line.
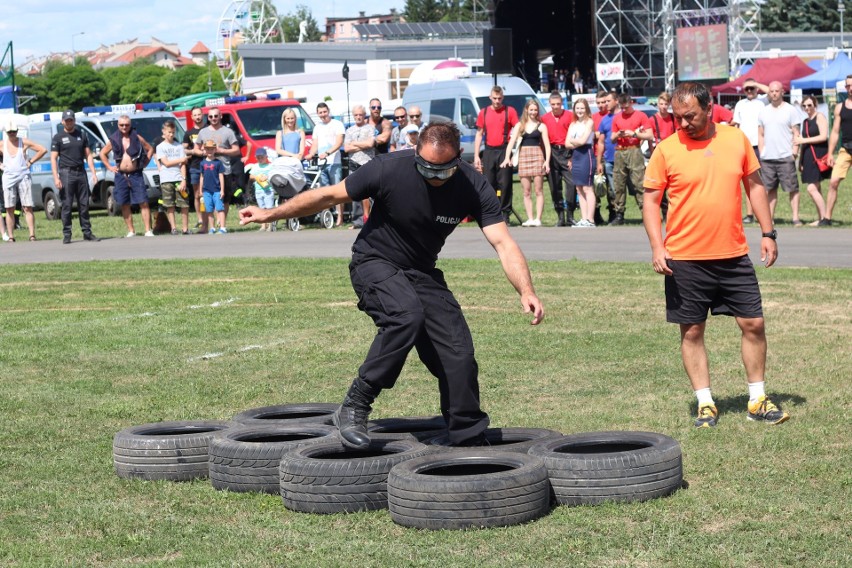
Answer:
[(773, 234)]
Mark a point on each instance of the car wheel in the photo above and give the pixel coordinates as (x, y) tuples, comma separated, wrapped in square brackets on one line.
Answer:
[(328, 477), (288, 414), (246, 458), (113, 209), (468, 489), (293, 224), (594, 467), (418, 428), (504, 439), (176, 451), (327, 219), (52, 206)]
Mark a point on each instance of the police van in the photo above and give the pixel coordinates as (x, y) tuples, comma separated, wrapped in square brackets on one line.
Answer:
[(460, 100), (97, 124)]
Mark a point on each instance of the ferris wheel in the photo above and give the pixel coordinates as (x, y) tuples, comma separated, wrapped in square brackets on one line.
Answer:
[(244, 21)]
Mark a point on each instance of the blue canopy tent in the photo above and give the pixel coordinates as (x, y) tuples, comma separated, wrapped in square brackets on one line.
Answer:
[(7, 97), (836, 71)]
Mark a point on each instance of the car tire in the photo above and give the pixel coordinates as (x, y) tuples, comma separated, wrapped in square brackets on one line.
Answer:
[(175, 451), (246, 458), (594, 467), (288, 414), (468, 489), (328, 477), (113, 208), (52, 206), (504, 439), (420, 428)]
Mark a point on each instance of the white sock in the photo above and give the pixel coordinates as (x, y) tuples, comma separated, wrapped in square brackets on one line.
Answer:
[(704, 396), (755, 391)]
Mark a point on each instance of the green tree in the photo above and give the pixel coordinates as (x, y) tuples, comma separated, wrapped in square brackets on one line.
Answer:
[(74, 86), (33, 94), (179, 83), (211, 73), (425, 10), (463, 11), (117, 77), (290, 24), (803, 16), (143, 84)]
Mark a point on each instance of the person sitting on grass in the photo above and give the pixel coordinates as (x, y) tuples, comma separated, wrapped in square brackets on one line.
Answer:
[(212, 189)]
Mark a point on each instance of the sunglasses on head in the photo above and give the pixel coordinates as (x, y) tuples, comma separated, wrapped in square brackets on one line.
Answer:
[(436, 171)]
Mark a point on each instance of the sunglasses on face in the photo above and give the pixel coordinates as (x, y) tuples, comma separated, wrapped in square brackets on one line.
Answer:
[(436, 171), (376, 107), (399, 117), (213, 116), (414, 115)]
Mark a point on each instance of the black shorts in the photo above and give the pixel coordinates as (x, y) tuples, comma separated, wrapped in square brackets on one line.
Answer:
[(725, 287)]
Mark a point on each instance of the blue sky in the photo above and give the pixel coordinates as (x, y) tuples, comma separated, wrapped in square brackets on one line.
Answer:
[(38, 27)]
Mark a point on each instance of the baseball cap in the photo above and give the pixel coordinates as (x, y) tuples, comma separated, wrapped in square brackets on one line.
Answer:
[(260, 152), (10, 125), (411, 129), (68, 114), (209, 143)]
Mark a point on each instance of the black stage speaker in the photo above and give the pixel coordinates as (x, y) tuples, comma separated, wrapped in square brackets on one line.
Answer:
[(497, 47)]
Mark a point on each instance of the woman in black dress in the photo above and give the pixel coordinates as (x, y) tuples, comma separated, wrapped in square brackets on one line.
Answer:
[(813, 144)]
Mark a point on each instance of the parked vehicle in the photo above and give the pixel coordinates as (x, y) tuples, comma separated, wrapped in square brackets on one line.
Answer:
[(97, 124), (460, 101)]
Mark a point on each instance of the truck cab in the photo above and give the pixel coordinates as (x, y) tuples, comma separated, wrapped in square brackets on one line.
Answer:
[(256, 117)]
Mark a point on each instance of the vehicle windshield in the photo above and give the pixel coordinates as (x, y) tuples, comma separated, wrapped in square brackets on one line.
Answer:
[(262, 123), (148, 127), (517, 102)]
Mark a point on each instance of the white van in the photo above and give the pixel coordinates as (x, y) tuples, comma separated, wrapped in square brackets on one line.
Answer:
[(460, 101)]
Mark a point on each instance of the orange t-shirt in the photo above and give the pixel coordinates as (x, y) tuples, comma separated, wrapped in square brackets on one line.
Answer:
[(703, 179)]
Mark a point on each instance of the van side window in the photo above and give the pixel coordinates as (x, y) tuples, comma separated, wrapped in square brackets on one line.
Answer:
[(443, 110), (468, 113)]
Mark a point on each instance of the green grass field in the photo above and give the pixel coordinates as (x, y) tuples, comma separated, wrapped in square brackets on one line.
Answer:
[(91, 348)]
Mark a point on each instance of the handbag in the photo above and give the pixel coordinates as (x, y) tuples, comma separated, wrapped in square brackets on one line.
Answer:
[(822, 163)]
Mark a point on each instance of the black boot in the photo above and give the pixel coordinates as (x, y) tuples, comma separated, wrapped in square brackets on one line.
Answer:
[(598, 219), (569, 218), (351, 417), (611, 215), (561, 215)]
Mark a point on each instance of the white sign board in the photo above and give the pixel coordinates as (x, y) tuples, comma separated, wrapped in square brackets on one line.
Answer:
[(611, 71)]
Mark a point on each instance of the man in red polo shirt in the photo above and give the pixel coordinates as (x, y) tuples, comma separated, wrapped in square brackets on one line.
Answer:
[(629, 128), (494, 125), (557, 122)]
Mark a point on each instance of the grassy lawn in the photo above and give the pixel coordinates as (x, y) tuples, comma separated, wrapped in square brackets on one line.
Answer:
[(105, 226), (91, 348)]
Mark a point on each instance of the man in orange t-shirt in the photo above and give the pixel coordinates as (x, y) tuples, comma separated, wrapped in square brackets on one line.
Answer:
[(705, 256)]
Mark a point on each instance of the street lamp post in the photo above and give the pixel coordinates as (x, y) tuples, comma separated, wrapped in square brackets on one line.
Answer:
[(840, 9), (74, 51)]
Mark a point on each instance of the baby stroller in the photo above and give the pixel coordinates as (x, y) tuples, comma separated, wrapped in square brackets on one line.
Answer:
[(288, 179)]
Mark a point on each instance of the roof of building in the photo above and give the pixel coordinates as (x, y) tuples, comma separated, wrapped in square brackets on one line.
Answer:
[(200, 49)]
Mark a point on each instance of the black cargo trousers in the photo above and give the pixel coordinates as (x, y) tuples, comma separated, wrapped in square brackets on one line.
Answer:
[(413, 308)]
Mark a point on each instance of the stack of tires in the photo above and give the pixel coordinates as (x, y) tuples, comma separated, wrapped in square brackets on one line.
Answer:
[(293, 451)]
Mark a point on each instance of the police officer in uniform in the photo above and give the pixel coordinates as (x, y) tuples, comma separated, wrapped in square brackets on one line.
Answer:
[(67, 152), (420, 196)]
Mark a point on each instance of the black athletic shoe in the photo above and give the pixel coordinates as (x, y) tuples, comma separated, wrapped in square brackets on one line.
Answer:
[(66, 240), (90, 237)]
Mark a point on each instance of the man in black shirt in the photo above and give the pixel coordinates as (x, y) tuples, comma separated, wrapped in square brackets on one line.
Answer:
[(195, 155), (420, 196), (67, 151)]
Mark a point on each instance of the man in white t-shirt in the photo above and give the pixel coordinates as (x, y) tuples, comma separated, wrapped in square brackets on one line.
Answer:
[(327, 141), (745, 118), (777, 125)]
